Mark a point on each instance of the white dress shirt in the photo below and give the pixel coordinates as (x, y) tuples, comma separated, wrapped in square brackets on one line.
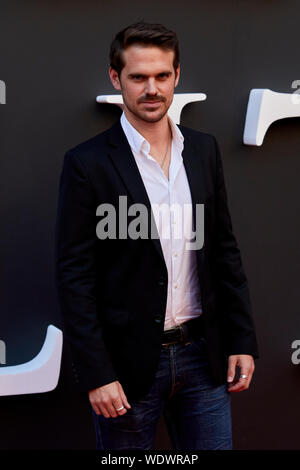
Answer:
[(183, 301)]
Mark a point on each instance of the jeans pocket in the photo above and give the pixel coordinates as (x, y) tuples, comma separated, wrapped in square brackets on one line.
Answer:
[(130, 422)]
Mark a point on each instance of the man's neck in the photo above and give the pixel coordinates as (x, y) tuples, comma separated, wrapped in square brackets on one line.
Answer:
[(155, 133)]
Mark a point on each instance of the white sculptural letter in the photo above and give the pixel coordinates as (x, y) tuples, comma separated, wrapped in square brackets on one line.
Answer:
[(265, 107), (2, 92), (38, 375), (180, 100), (2, 352)]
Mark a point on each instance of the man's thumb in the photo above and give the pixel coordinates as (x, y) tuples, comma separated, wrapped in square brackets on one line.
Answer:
[(231, 369), (123, 396)]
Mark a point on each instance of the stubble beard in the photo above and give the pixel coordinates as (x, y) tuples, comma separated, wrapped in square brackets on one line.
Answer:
[(146, 115)]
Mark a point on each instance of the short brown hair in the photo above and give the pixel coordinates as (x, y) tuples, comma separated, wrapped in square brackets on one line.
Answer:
[(142, 33)]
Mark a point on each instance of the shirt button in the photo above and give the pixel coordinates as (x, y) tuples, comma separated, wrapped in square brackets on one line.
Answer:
[(176, 285)]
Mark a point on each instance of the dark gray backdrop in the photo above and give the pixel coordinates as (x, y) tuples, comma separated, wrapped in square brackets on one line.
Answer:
[(54, 60)]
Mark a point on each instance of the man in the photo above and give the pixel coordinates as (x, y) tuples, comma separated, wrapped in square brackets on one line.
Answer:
[(154, 327)]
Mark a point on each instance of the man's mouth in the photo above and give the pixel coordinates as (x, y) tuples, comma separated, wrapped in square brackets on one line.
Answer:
[(150, 102)]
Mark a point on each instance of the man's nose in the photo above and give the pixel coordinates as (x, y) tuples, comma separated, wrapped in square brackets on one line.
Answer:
[(151, 87)]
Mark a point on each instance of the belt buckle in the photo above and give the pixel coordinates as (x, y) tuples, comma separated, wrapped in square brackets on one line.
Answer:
[(172, 342), (184, 334), (181, 333)]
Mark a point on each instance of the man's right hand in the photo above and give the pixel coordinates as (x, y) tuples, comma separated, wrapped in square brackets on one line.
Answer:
[(106, 399)]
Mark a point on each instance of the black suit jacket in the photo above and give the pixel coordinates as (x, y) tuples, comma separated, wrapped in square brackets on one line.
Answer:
[(113, 292)]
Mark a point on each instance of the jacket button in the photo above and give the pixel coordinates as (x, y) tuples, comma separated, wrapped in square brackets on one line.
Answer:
[(158, 319), (162, 281)]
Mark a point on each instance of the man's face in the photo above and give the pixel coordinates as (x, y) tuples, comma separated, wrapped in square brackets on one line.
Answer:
[(147, 82)]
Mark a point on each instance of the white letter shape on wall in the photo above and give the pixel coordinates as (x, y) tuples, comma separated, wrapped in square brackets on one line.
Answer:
[(2, 352), (180, 100), (2, 92), (265, 107), (38, 375)]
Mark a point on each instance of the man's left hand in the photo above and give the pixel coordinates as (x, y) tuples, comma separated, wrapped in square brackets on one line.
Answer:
[(246, 364)]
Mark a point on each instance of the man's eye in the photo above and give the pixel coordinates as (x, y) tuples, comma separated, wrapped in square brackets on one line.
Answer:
[(137, 77), (163, 76)]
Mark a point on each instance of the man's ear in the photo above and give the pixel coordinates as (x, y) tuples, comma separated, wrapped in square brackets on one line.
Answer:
[(177, 75), (114, 78)]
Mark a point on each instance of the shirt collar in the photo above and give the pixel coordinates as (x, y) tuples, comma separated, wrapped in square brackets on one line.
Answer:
[(139, 144)]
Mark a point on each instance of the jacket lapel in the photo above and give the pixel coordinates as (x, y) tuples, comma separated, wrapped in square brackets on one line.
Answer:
[(195, 171), (125, 164), (124, 161)]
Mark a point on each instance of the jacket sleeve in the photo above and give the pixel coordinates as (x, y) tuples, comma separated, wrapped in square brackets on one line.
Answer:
[(233, 300), (75, 241)]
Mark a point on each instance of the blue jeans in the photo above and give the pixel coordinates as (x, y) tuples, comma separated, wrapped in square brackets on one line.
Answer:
[(197, 413)]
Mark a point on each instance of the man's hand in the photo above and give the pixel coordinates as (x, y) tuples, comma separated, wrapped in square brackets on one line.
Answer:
[(106, 399), (246, 365)]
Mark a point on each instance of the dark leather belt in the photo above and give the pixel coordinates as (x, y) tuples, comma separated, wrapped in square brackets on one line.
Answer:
[(182, 333)]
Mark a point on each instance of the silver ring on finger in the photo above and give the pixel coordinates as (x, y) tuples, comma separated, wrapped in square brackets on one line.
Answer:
[(243, 376), (119, 409)]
